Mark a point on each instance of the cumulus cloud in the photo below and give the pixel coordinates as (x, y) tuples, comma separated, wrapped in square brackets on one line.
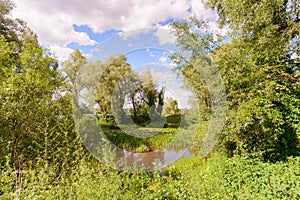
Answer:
[(164, 35), (62, 52), (53, 26), (53, 20), (199, 9), (133, 34), (165, 60)]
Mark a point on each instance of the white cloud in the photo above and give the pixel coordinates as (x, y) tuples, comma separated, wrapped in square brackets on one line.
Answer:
[(52, 26), (151, 55), (62, 52), (133, 34), (53, 20), (163, 60), (199, 9), (165, 35)]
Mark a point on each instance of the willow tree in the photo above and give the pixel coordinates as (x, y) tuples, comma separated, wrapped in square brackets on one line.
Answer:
[(73, 69), (258, 67), (147, 100), (171, 106), (117, 80)]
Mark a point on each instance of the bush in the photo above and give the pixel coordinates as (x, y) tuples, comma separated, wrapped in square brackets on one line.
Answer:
[(173, 121), (265, 127)]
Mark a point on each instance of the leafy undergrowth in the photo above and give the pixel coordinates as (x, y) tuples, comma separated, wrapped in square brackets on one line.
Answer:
[(195, 178), (158, 138)]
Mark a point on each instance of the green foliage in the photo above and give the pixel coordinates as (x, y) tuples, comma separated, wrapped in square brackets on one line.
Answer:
[(140, 114), (193, 45), (162, 137), (170, 106), (265, 131), (253, 179), (255, 65), (147, 101), (72, 68), (41, 155), (213, 178), (113, 86), (174, 121), (36, 122), (110, 85), (258, 120)]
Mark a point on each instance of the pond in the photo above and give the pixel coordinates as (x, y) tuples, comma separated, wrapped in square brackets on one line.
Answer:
[(152, 160)]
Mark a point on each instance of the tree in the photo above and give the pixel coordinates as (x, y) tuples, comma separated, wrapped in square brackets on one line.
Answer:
[(149, 100), (116, 82), (149, 93), (262, 94), (195, 47), (33, 114), (36, 123), (268, 87), (264, 24), (171, 106), (73, 67), (11, 29), (106, 84)]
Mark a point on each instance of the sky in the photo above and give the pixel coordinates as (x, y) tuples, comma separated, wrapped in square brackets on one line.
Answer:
[(66, 25), (101, 28)]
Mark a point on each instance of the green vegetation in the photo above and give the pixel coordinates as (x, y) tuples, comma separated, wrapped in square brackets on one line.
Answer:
[(257, 157), (121, 139), (216, 177), (258, 70), (112, 84)]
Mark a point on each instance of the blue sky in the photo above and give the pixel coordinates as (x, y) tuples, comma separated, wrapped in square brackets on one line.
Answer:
[(146, 49), (66, 25), (101, 28)]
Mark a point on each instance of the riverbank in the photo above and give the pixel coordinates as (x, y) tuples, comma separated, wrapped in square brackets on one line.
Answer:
[(215, 177)]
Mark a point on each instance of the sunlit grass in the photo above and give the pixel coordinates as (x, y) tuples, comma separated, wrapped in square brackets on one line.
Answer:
[(161, 137), (215, 177)]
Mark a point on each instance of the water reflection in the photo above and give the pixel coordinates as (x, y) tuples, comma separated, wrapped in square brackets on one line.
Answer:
[(151, 160)]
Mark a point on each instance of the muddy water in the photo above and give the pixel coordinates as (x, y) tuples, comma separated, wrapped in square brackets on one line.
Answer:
[(152, 160)]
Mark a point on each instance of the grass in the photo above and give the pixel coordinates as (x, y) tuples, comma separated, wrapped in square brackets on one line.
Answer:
[(123, 140), (161, 137), (216, 177), (213, 177), (170, 135)]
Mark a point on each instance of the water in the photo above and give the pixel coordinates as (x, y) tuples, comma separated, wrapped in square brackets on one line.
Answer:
[(152, 160)]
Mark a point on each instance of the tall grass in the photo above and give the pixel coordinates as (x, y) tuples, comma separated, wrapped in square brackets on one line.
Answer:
[(195, 178)]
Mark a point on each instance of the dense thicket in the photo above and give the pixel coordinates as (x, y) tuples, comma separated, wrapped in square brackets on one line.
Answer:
[(259, 69), (41, 155), (36, 123)]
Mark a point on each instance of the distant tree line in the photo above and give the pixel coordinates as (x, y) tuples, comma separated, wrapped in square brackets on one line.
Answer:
[(114, 87)]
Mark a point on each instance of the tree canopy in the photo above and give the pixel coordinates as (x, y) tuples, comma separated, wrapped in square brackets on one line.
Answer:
[(34, 115), (112, 85), (258, 69)]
